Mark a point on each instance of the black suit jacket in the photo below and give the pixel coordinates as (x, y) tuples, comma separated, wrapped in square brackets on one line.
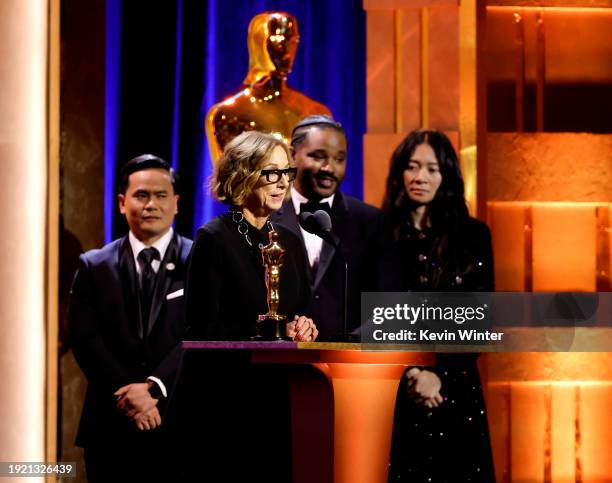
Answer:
[(105, 331), (226, 288), (367, 247)]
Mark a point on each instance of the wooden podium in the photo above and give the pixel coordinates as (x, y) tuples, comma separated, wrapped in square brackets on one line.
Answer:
[(363, 387)]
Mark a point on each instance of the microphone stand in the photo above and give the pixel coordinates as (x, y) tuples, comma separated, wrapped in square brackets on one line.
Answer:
[(320, 224), (334, 241), (345, 314)]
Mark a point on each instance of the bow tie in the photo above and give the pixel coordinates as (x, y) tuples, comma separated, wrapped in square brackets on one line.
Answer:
[(312, 206)]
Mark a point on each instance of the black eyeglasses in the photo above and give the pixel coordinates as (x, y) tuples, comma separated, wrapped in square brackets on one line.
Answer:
[(274, 175)]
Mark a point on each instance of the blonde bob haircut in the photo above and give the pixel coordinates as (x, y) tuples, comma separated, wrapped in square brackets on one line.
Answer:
[(240, 165)]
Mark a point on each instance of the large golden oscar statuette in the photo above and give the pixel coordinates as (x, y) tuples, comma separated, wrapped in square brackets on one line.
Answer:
[(264, 102), (272, 326)]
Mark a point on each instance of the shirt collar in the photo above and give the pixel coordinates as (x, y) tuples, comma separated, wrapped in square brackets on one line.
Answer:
[(161, 244), (298, 198)]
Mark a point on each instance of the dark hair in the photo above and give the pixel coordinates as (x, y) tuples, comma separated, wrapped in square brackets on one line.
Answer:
[(322, 121), (142, 162), (447, 213), (448, 206)]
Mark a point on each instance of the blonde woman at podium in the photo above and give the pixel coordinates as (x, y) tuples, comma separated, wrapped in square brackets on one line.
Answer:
[(440, 428), (226, 288), (238, 412)]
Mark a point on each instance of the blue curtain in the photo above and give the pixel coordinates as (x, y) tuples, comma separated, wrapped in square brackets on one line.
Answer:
[(169, 62)]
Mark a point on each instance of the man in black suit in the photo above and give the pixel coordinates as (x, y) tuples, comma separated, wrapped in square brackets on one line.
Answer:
[(126, 320), (319, 149)]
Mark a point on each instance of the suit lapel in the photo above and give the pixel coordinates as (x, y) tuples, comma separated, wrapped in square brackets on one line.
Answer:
[(325, 258), (129, 283), (163, 280), (338, 217)]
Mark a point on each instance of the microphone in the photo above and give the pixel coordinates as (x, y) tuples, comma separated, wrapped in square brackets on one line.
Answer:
[(319, 223)]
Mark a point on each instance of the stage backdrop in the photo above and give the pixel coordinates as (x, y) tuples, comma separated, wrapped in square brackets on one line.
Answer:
[(167, 63)]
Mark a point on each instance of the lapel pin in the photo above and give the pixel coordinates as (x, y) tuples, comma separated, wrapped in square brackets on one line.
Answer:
[(170, 266)]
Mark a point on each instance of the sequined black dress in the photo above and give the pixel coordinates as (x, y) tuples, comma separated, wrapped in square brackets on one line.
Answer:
[(449, 443)]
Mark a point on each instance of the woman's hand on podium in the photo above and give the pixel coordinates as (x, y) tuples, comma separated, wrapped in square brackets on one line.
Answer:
[(302, 329), (424, 387)]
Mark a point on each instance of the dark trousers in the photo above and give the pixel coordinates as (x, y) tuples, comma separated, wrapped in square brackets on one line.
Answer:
[(146, 456)]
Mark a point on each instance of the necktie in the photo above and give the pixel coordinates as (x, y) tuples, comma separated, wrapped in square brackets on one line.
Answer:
[(147, 283), (313, 206)]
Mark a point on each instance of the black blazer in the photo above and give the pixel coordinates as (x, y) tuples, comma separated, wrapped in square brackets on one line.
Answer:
[(105, 336), (367, 247), (226, 288)]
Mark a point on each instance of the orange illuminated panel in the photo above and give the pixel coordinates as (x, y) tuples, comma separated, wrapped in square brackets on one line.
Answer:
[(507, 222), (576, 46), (549, 416), (595, 426), (380, 72), (377, 151), (564, 247), (527, 432), (498, 408), (443, 66), (608, 268), (563, 433), (363, 423)]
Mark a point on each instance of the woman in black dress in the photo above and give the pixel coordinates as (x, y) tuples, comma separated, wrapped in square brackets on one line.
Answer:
[(238, 411), (440, 430), (226, 288)]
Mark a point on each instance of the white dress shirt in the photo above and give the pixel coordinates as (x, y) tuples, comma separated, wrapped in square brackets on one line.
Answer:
[(313, 243), (161, 245)]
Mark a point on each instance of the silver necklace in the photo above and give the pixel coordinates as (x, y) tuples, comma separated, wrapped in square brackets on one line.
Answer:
[(243, 227)]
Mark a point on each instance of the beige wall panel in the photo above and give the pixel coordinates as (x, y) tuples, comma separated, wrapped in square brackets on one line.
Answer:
[(527, 431), (380, 75), (409, 75), (507, 223), (564, 247), (23, 194), (444, 68), (595, 442)]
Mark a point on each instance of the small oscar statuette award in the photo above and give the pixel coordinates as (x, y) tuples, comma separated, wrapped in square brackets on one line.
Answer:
[(272, 326)]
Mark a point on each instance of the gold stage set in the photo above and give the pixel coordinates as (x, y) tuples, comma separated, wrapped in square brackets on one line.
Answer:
[(483, 72)]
